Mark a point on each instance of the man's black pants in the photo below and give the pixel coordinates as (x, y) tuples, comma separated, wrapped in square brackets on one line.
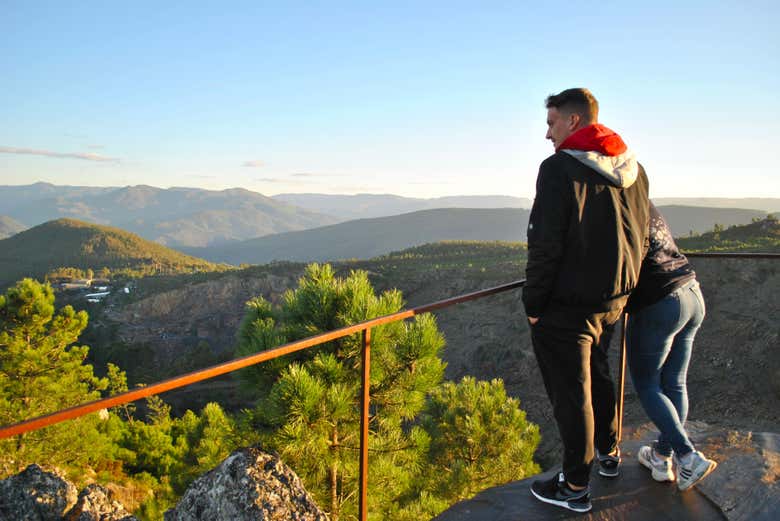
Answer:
[(575, 370)]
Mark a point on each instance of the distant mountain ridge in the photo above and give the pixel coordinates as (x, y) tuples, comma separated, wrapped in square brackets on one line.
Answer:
[(364, 206), (348, 207), (192, 217), (366, 238), (174, 216), (71, 243), (765, 204)]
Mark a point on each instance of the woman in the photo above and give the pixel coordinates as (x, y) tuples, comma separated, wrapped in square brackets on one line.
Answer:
[(665, 311)]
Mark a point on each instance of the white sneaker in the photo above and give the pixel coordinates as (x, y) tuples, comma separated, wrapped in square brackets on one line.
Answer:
[(661, 468), (698, 468)]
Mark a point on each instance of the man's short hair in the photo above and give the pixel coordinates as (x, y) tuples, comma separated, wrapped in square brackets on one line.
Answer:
[(575, 101)]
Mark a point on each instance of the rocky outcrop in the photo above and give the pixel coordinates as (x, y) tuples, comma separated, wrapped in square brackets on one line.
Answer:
[(746, 484), (96, 504), (37, 495), (249, 485)]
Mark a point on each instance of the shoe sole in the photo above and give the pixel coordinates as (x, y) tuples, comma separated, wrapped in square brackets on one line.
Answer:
[(657, 475), (564, 504), (606, 473), (706, 473)]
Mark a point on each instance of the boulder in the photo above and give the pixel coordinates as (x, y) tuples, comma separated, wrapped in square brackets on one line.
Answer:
[(250, 484), (95, 503), (35, 495)]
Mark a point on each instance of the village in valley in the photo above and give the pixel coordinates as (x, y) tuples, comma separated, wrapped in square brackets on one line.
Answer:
[(93, 290)]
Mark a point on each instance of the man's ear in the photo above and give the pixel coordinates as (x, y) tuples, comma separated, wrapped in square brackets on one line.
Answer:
[(574, 121)]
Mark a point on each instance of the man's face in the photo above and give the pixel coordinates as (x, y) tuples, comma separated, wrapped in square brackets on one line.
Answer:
[(560, 125)]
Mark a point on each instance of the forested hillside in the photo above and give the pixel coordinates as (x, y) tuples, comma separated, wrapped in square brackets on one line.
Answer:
[(76, 244)]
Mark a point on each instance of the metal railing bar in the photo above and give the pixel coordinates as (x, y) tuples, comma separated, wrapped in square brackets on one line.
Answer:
[(239, 363), (732, 255)]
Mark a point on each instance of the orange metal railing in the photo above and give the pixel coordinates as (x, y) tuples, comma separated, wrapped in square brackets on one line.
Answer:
[(732, 255)]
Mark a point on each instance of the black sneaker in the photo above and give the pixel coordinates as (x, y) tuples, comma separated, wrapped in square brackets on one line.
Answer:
[(556, 492), (609, 463)]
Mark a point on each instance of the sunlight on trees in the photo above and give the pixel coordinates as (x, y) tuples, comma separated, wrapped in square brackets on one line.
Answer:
[(308, 403)]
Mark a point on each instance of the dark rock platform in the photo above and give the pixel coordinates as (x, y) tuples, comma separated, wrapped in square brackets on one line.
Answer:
[(744, 487)]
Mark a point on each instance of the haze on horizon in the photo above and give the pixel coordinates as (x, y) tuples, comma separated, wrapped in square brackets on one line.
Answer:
[(431, 100)]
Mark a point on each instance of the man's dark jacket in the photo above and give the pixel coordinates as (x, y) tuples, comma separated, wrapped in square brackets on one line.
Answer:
[(587, 236)]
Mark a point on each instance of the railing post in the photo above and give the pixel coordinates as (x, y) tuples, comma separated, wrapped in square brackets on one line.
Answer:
[(365, 384)]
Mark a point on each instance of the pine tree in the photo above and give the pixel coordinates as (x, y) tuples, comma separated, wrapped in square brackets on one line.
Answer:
[(41, 371), (479, 438), (431, 444), (310, 401), (203, 442)]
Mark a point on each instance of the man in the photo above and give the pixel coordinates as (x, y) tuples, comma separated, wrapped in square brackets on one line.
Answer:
[(587, 236)]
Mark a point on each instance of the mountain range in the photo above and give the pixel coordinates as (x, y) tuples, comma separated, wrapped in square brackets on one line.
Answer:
[(173, 216), (195, 218), (77, 244), (366, 238), (347, 207)]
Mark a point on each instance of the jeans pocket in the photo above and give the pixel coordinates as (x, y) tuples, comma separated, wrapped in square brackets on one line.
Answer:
[(699, 298)]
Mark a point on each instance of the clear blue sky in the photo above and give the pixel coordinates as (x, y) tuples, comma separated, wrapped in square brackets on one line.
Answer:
[(416, 98)]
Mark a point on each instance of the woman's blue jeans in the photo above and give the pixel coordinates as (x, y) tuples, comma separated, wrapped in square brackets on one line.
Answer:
[(659, 344)]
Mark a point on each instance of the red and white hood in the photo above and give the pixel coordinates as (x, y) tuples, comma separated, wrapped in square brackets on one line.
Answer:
[(604, 151)]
